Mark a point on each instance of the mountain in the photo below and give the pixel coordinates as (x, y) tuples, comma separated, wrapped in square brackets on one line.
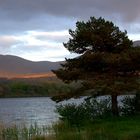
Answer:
[(12, 65), (136, 43)]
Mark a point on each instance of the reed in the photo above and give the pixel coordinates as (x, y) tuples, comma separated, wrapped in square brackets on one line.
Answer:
[(120, 128)]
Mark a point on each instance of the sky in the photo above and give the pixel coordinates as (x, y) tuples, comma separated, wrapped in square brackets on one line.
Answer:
[(36, 29)]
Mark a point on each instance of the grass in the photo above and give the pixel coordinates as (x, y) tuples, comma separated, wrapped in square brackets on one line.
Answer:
[(121, 128), (13, 88), (23, 133)]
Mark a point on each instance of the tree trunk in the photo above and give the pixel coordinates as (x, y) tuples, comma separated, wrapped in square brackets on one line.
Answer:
[(115, 110)]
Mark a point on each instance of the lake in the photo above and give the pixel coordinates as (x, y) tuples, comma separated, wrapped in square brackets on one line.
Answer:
[(40, 110), (27, 111)]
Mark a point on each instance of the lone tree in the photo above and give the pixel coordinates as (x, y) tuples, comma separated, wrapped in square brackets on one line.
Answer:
[(107, 64)]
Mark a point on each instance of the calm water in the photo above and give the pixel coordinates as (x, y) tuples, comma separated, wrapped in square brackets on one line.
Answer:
[(27, 111), (40, 110)]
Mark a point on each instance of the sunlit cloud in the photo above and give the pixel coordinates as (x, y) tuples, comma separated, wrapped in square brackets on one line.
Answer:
[(7, 41), (40, 45), (134, 37), (36, 45), (36, 29)]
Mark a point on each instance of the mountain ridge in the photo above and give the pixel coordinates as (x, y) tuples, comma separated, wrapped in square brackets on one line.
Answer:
[(13, 65)]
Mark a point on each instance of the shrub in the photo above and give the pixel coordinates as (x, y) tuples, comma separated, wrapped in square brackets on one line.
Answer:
[(131, 105), (73, 114), (97, 108), (85, 112)]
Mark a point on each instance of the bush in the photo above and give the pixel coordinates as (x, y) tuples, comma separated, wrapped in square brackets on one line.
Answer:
[(73, 114), (85, 112), (131, 105), (97, 108), (128, 106)]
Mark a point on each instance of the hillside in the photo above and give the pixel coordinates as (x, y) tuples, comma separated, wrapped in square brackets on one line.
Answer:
[(11, 66), (136, 43)]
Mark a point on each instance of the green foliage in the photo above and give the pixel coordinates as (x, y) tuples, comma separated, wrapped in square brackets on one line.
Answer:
[(120, 128), (22, 133), (26, 89), (85, 112), (131, 105), (104, 50), (97, 35), (32, 89), (107, 56), (73, 114), (108, 62), (97, 108), (128, 107)]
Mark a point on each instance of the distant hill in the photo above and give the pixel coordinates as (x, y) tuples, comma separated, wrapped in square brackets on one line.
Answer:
[(136, 43), (12, 65)]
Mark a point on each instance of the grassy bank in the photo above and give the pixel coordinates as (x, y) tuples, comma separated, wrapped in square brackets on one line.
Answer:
[(27, 88), (23, 132), (122, 128), (125, 128)]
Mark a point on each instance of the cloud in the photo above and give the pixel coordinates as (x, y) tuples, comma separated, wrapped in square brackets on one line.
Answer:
[(27, 9), (45, 54), (41, 23), (134, 37), (7, 41), (42, 38), (35, 45), (49, 14), (54, 36), (36, 29)]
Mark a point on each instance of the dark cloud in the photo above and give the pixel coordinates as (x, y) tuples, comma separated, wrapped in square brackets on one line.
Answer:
[(21, 16), (36, 13), (44, 23), (27, 9)]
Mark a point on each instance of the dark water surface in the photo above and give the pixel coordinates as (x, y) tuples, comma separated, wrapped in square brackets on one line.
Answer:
[(27, 111)]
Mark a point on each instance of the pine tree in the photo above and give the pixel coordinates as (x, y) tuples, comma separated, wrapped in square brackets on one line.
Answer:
[(108, 64)]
